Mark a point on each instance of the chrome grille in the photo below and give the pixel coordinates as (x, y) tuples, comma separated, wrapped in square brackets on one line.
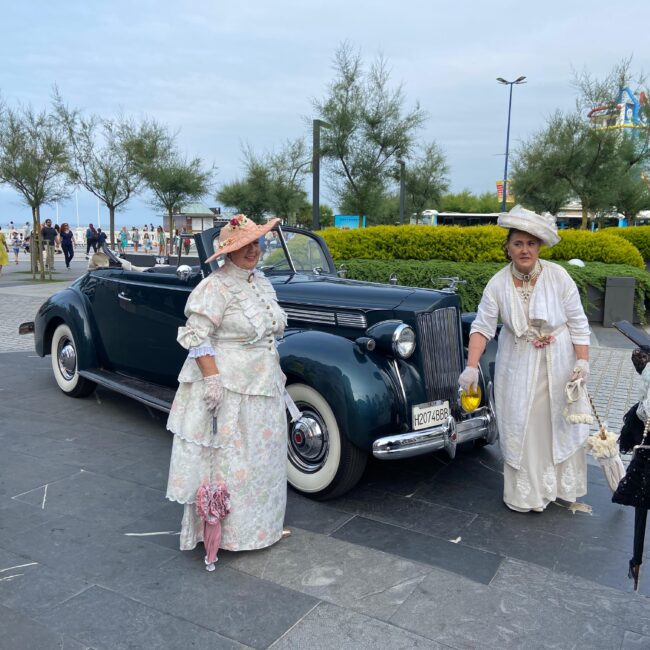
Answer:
[(351, 319), (310, 316), (441, 349)]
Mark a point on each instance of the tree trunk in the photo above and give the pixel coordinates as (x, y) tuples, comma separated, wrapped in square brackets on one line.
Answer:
[(169, 241), (585, 217), (111, 221)]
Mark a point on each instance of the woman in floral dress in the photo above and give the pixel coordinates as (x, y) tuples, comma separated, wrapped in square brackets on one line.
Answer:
[(232, 373)]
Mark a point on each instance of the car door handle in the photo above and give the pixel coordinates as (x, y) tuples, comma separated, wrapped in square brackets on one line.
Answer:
[(121, 296)]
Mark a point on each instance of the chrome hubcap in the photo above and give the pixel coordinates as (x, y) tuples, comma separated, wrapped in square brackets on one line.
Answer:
[(308, 441), (67, 358)]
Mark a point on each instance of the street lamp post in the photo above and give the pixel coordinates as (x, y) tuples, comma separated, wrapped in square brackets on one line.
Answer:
[(501, 80), (315, 168), (402, 174)]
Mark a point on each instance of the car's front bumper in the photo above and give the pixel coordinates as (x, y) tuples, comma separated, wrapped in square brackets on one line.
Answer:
[(480, 424)]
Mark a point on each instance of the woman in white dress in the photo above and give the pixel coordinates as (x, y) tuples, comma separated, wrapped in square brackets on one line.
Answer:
[(544, 343), (232, 374)]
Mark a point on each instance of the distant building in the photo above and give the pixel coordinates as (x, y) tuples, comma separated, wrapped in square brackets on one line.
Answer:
[(195, 217)]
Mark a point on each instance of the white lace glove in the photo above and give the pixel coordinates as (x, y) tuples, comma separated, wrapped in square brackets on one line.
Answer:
[(212, 393), (468, 378), (580, 370)]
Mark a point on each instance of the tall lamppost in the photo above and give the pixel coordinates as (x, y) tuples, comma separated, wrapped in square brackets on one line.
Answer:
[(402, 173), (315, 168), (501, 80)]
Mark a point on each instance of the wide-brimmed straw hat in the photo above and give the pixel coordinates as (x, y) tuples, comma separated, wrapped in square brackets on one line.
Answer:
[(239, 232), (542, 226)]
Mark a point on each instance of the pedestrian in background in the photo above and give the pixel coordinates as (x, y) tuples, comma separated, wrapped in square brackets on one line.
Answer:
[(177, 242), (15, 246), (49, 237), (57, 241), (67, 244), (4, 251), (91, 240), (160, 240), (146, 243), (101, 238), (135, 238), (124, 239), (187, 242)]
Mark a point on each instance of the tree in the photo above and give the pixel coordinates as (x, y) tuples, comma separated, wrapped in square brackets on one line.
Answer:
[(368, 129), (99, 157), (568, 159), (34, 161), (633, 195), (273, 183), (425, 181), (173, 179), (304, 215), (576, 158)]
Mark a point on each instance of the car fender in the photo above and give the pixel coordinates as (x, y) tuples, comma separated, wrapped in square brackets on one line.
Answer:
[(359, 386), (71, 307)]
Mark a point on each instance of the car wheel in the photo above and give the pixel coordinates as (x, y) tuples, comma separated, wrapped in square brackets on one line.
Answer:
[(322, 463), (64, 364)]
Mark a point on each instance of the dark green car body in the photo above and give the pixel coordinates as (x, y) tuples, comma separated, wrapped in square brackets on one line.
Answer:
[(123, 326)]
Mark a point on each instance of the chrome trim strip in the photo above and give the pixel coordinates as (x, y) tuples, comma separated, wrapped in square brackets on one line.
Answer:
[(307, 315), (351, 319), (416, 443), (393, 362)]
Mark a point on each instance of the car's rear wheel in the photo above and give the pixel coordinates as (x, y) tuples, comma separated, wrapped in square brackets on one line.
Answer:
[(64, 364), (322, 463)]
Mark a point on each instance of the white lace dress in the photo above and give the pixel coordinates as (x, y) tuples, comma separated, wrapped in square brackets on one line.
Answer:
[(538, 481), (234, 314)]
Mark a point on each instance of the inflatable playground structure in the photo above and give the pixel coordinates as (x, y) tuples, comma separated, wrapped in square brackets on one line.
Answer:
[(627, 113)]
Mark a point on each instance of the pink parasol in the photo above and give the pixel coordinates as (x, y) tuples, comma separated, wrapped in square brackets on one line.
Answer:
[(212, 505)]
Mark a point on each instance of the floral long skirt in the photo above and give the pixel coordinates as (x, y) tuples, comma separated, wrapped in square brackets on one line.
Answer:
[(539, 481), (248, 453)]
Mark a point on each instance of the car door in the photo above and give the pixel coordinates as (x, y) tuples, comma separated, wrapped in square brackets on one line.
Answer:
[(151, 308)]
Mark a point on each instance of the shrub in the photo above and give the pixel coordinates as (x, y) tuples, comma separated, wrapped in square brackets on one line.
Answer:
[(423, 274), (639, 236), (469, 244)]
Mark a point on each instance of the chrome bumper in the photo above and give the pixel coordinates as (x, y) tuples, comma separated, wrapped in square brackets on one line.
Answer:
[(481, 424)]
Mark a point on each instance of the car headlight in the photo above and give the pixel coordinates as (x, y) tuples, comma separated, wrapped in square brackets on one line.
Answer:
[(403, 341)]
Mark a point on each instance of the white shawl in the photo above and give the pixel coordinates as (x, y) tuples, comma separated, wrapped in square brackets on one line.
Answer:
[(555, 305)]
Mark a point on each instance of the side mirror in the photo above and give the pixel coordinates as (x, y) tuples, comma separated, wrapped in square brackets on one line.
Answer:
[(393, 278), (343, 271), (184, 272)]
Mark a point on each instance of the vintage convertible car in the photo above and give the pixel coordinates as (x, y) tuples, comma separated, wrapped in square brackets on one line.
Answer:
[(373, 368)]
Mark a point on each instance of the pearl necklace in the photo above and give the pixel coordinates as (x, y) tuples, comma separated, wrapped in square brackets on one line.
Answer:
[(526, 279)]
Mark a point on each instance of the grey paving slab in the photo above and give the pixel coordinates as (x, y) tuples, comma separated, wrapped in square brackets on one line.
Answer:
[(30, 586), (464, 614), (85, 494), (20, 473), (633, 641), (473, 563), (579, 597), (404, 478), (407, 512), (161, 526), (251, 610), (313, 516), (20, 632), (17, 518), (103, 619), (362, 579), (328, 626), (86, 550)]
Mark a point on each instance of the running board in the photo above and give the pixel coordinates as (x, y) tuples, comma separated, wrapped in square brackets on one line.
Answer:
[(153, 395)]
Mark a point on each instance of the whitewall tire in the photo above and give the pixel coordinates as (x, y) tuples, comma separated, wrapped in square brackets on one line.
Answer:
[(64, 364)]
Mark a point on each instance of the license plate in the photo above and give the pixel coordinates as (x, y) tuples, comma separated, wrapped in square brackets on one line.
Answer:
[(430, 414)]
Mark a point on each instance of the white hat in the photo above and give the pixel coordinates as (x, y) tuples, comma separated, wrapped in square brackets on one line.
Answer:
[(542, 226)]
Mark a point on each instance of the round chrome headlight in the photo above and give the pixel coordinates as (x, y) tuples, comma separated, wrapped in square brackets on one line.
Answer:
[(403, 341)]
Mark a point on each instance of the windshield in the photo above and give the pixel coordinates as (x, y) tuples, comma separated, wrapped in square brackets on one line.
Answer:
[(306, 253)]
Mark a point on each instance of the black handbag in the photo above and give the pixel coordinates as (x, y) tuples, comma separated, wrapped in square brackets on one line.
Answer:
[(634, 488)]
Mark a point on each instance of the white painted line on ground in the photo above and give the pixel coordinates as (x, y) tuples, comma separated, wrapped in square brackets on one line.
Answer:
[(162, 532), (18, 566), (44, 498), (16, 575)]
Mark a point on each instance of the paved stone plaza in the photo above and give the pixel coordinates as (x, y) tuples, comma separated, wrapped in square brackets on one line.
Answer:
[(422, 554)]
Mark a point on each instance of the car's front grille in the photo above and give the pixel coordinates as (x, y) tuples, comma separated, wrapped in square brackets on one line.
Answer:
[(442, 354), (351, 319), (310, 315)]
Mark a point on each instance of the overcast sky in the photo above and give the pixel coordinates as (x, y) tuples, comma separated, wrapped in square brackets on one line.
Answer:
[(227, 73)]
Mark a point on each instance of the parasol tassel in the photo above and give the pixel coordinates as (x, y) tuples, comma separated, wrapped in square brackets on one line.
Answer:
[(212, 505)]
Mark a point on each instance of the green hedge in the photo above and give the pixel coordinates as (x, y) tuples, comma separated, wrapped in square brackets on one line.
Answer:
[(470, 244), (639, 236), (423, 274)]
